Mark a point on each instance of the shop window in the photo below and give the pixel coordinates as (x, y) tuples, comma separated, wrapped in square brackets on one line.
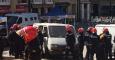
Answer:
[(42, 11), (22, 1)]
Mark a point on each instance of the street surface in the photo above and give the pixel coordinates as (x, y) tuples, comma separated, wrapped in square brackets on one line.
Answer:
[(7, 57)]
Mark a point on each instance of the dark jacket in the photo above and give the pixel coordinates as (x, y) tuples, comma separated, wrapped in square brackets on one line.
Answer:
[(70, 39), (81, 38)]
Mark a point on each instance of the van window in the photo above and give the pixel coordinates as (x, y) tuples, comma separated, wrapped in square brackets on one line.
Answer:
[(11, 20), (35, 18), (57, 31), (31, 18), (19, 21), (26, 19)]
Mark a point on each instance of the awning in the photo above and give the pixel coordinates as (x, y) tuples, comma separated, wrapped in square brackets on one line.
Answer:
[(56, 11)]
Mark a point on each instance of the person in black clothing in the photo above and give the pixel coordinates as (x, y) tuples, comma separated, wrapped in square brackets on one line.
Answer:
[(32, 50), (70, 40), (92, 44), (81, 41), (3, 42), (87, 39), (41, 38), (106, 37), (16, 42)]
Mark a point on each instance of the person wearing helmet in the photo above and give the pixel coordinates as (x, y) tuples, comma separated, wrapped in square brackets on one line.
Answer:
[(93, 44), (105, 38), (70, 41), (34, 48), (16, 42), (81, 40), (15, 27), (87, 39)]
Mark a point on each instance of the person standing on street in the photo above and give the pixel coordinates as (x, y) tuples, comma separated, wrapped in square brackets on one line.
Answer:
[(87, 38), (70, 40), (81, 41), (106, 38), (16, 42), (33, 48)]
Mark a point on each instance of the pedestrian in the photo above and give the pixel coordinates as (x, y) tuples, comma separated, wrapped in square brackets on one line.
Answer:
[(93, 44), (114, 48), (81, 41), (106, 38), (70, 40), (33, 48), (87, 39), (3, 42), (16, 42)]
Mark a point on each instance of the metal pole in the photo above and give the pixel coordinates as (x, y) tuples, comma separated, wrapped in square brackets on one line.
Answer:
[(78, 11), (110, 11), (29, 5)]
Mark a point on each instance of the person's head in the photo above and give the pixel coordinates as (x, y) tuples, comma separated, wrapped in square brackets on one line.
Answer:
[(80, 30), (68, 28), (15, 27), (105, 30), (93, 30), (89, 29)]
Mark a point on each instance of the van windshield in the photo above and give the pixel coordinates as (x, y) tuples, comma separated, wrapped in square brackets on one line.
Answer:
[(57, 31), (11, 20)]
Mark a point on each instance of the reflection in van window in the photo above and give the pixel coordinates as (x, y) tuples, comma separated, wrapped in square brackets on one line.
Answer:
[(19, 21), (57, 31)]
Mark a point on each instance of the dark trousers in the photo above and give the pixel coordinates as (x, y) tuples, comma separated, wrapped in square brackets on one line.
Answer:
[(108, 53), (81, 47), (101, 52), (32, 54), (1, 52), (90, 52), (70, 49)]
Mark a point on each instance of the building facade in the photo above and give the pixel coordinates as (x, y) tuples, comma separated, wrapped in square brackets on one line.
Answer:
[(87, 8)]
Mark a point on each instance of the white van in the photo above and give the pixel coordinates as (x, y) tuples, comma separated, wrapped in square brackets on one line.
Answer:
[(54, 37), (23, 19), (111, 28)]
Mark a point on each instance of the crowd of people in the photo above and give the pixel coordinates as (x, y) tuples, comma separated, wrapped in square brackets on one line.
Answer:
[(96, 44)]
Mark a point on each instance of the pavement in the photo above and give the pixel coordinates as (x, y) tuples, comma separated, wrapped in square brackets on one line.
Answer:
[(8, 57)]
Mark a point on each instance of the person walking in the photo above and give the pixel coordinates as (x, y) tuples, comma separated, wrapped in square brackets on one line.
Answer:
[(87, 39), (70, 40), (16, 42), (106, 38), (33, 48), (81, 41)]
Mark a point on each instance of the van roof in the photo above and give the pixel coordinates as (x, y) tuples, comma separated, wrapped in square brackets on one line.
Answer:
[(105, 25), (50, 24), (21, 14)]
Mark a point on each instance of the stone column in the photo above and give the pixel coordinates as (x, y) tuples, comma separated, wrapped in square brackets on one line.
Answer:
[(82, 11), (13, 5), (88, 11)]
